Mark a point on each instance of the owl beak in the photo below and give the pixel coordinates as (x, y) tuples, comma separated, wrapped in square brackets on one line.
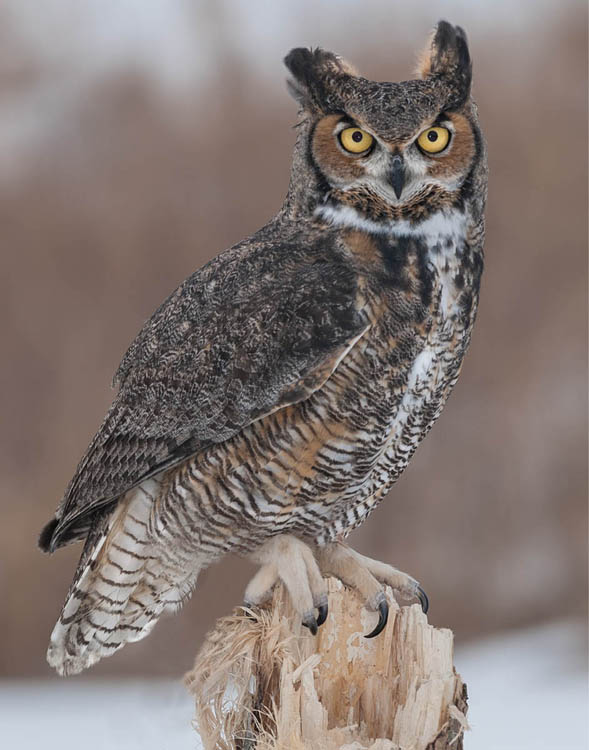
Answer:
[(397, 175)]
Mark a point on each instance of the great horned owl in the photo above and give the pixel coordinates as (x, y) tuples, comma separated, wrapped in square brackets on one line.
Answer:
[(272, 400)]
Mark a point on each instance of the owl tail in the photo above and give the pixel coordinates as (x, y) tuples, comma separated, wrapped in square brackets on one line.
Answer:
[(123, 584)]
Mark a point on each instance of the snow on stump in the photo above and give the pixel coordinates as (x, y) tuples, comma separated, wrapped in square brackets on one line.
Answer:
[(262, 681)]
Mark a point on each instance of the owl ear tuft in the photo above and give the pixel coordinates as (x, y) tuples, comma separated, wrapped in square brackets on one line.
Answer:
[(313, 73), (447, 56)]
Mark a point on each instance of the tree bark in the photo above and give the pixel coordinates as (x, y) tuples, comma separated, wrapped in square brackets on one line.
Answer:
[(263, 681)]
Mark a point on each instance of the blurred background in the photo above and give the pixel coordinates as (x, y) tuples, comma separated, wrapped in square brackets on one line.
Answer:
[(140, 138)]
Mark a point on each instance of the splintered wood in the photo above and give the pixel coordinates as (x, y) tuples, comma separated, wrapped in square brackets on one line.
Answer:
[(262, 681)]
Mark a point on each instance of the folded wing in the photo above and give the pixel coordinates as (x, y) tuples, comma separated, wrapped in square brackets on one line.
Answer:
[(249, 333)]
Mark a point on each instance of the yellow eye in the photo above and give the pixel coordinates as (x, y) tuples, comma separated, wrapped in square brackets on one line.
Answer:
[(355, 140), (434, 140)]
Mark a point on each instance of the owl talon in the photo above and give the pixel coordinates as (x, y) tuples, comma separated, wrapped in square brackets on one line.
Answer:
[(310, 622), (423, 600), (322, 616), (383, 616), (289, 560)]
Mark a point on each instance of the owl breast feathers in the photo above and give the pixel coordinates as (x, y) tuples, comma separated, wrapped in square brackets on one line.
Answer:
[(283, 387)]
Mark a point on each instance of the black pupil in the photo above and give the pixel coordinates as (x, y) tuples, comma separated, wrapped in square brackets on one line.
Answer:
[(357, 136), (432, 136)]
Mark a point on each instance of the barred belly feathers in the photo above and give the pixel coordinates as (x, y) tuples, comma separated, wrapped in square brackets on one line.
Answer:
[(272, 400)]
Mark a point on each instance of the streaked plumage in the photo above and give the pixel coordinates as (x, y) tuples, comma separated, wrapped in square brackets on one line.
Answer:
[(283, 387)]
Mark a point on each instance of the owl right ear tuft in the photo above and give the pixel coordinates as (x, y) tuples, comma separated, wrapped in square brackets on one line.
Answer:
[(314, 73), (447, 56)]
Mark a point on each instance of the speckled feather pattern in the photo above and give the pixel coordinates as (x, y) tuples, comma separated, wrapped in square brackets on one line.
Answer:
[(239, 338), (284, 386)]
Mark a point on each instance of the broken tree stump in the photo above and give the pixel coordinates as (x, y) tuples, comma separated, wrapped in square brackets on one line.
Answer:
[(262, 681)]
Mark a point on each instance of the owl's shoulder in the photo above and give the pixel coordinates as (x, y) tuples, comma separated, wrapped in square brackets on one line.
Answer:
[(287, 269)]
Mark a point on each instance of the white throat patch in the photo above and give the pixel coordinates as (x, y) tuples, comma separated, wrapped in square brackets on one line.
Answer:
[(450, 222)]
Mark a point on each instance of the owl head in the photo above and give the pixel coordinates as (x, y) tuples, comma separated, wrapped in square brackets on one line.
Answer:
[(388, 151)]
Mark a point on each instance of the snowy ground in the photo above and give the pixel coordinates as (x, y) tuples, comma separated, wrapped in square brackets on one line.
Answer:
[(96, 715), (527, 691)]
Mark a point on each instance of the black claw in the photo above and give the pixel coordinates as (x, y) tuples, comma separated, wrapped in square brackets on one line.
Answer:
[(422, 596), (383, 616), (311, 623), (322, 616)]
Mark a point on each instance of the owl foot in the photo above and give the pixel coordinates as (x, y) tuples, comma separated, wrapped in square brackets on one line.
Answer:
[(366, 576), (286, 558)]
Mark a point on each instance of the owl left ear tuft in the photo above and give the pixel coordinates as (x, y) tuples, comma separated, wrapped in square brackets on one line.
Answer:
[(314, 73), (447, 56)]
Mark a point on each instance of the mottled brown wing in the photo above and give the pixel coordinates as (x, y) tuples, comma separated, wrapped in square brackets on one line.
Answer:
[(256, 329)]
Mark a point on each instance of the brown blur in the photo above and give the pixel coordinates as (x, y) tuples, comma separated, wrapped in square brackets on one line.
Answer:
[(138, 187)]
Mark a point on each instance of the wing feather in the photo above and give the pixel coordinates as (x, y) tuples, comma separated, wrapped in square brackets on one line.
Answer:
[(258, 328)]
